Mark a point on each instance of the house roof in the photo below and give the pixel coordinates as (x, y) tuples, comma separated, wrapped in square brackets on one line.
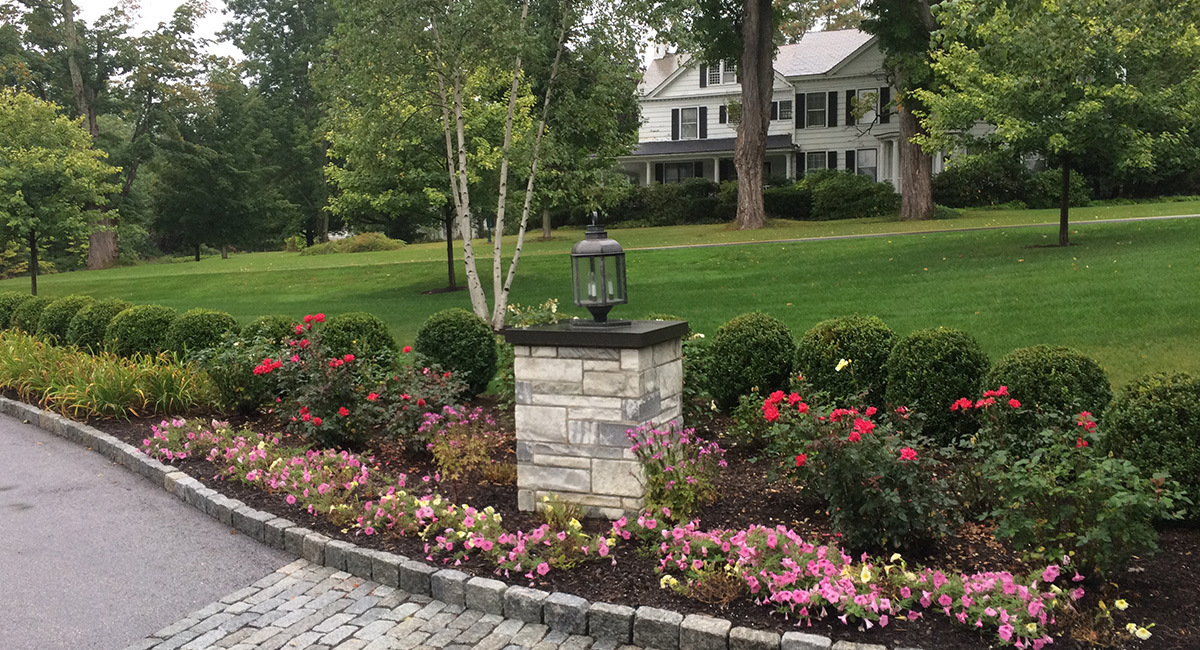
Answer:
[(714, 145), (816, 53), (819, 52)]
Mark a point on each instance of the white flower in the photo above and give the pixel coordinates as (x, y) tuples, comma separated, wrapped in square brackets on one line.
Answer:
[(1142, 633), (842, 364), (1121, 604)]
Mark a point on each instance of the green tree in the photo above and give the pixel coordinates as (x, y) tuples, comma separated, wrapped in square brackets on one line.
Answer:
[(285, 43), (49, 174), (1067, 80), (212, 185)]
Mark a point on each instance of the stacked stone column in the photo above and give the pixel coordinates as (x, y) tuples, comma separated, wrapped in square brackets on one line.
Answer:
[(579, 391)]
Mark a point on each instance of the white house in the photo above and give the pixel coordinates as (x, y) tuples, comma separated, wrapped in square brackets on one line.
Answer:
[(825, 113)]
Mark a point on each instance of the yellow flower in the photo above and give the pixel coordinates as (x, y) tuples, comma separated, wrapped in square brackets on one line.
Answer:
[(1121, 604), (1031, 627), (1131, 628), (865, 574), (895, 557), (1142, 633), (842, 364), (667, 582)]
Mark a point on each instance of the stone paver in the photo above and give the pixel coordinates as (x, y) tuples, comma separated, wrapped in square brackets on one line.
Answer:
[(308, 606)]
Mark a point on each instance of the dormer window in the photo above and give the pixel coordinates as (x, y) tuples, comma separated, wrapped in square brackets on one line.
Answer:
[(722, 72)]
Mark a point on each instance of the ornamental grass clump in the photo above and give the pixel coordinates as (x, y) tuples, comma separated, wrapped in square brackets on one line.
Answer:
[(681, 469), (878, 480), (461, 441)]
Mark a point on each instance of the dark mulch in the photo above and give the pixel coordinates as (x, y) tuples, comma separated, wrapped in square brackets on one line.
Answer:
[(1163, 589)]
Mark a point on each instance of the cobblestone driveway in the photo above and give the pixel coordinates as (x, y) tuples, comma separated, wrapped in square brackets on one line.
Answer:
[(304, 605)]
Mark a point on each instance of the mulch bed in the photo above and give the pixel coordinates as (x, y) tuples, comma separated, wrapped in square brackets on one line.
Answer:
[(1163, 589)]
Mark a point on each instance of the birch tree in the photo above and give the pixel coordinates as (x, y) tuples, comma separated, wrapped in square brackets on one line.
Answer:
[(449, 56)]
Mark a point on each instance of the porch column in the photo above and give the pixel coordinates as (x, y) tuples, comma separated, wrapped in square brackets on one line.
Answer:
[(649, 173), (897, 179), (716, 175), (787, 166)]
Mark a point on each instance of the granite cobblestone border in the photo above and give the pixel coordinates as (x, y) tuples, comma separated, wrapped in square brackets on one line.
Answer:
[(562, 613)]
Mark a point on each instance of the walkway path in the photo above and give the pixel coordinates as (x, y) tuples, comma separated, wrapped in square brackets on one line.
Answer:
[(304, 605), (93, 556)]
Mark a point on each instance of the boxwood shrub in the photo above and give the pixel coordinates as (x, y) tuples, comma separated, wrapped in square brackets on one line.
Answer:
[(89, 324), (199, 329), (1155, 423), (752, 350), (56, 317), (864, 341), (360, 334), (9, 301), (273, 327), (29, 313), (1052, 378), (462, 343), (928, 370), (141, 328)]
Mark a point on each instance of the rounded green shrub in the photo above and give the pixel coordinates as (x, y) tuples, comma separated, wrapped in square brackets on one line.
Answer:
[(28, 313), (273, 327), (1154, 422), (9, 301), (462, 343), (863, 341), (1052, 378), (141, 328), (928, 370), (358, 333), (199, 329), (89, 324), (752, 350), (56, 317)]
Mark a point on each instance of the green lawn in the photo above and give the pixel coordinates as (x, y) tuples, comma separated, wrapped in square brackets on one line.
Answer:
[(1127, 294)]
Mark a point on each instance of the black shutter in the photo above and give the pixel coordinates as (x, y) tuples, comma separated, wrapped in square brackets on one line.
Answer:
[(831, 109), (659, 172), (722, 116), (800, 113), (698, 169), (885, 98), (850, 160), (703, 76), (774, 111), (849, 108), (703, 122), (831, 161), (674, 123)]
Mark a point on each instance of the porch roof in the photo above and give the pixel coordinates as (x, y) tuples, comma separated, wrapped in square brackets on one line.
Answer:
[(715, 145)]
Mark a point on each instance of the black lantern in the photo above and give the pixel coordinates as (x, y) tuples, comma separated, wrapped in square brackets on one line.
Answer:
[(598, 275)]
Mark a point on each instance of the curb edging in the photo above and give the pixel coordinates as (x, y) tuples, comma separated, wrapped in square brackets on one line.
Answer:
[(648, 627)]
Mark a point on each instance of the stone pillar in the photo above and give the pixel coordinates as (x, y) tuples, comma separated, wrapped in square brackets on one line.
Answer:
[(579, 389)]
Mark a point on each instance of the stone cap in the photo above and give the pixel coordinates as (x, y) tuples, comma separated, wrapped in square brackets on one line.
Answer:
[(637, 334)]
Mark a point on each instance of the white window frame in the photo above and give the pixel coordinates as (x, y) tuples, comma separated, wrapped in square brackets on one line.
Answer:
[(870, 116), (783, 111), (809, 110), (722, 72), (809, 157), (858, 166), (695, 124)]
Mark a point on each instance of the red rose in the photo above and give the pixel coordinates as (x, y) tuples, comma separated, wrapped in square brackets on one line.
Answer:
[(343, 411), (801, 459), (371, 397), (317, 421), (407, 349), (908, 453), (320, 318)]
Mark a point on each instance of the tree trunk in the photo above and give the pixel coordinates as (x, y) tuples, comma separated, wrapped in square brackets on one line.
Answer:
[(757, 77), (33, 261), (197, 252), (83, 103), (450, 249), (309, 238), (546, 224), (1064, 204), (502, 198), (102, 244), (324, 234), (916, 171), (224, 252)]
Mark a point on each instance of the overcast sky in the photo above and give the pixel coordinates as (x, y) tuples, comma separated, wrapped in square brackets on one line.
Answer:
[(153, 12)]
